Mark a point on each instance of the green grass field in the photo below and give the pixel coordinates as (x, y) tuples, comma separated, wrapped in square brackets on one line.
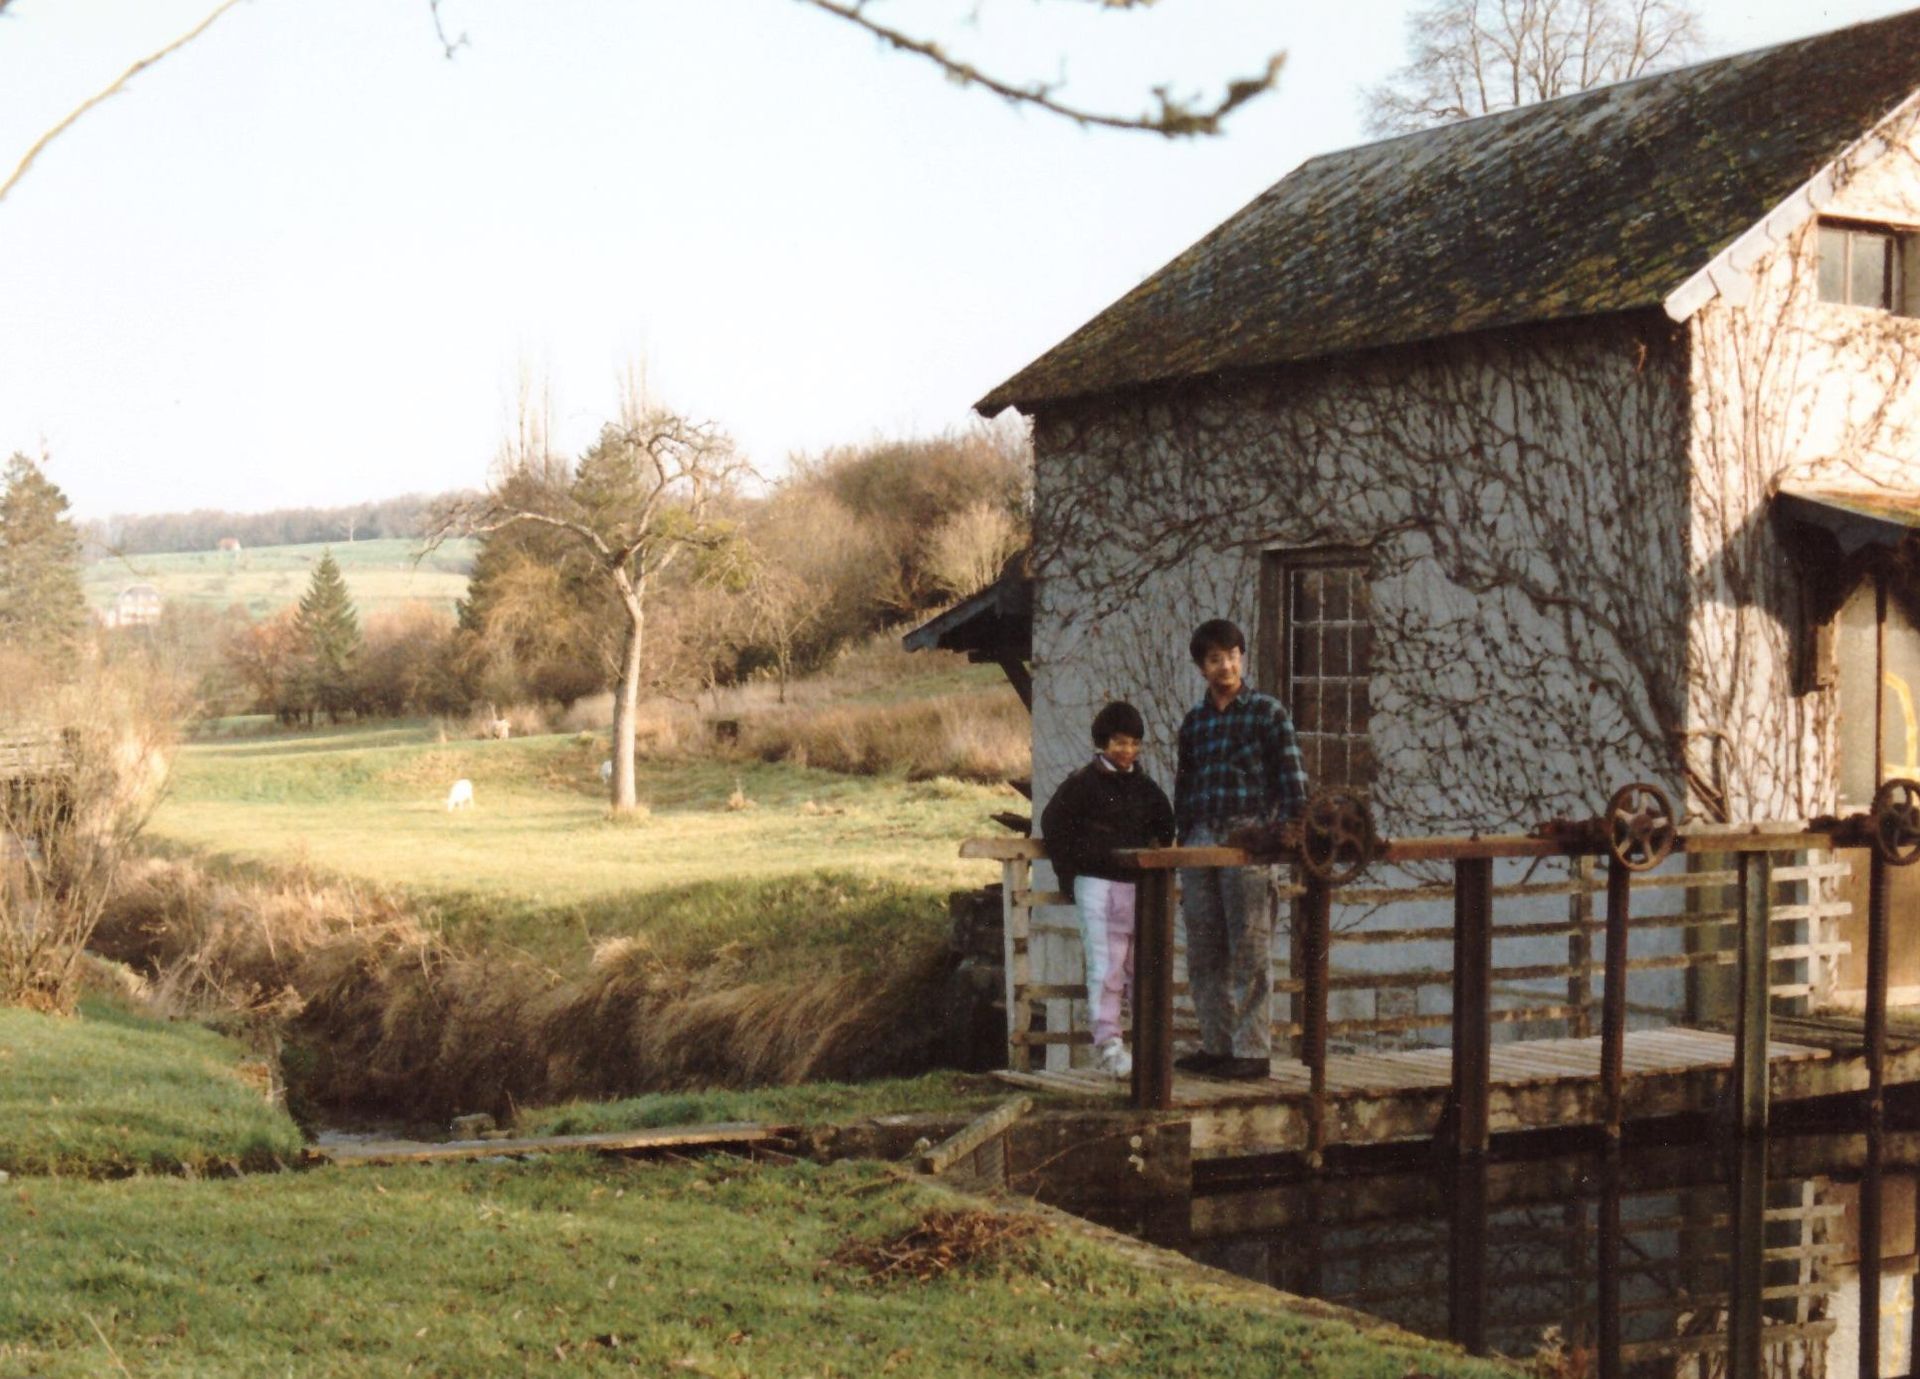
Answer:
[(813, 859), (379, 574), (107, 1093), (716, 1267)]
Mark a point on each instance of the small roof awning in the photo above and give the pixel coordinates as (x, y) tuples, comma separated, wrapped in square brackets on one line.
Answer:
[(1856, 520), (994, 625)]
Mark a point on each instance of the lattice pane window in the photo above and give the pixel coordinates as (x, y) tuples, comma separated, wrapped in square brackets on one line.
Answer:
[(1329, 662)]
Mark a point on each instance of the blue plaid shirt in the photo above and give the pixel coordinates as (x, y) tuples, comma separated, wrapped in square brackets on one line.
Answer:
[(1238, 763)]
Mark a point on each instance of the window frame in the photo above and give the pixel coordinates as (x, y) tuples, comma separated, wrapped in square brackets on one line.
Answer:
[(1274, 667), (1898, 287)]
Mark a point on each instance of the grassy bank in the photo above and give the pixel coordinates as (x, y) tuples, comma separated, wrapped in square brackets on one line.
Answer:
[(107, 1093), (763, 923), (766, 856), (715, 1268), (813, 1103)]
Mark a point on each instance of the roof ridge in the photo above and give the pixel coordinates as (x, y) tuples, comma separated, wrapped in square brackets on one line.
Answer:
[(1591, 92), (1585, 205)]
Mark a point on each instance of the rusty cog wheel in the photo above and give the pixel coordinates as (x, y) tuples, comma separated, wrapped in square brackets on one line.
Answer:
[(1336, 836), (1640, 826), (1895, 820)]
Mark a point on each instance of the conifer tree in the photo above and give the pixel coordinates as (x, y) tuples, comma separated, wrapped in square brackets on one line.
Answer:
[(42, 607), (330, 636)]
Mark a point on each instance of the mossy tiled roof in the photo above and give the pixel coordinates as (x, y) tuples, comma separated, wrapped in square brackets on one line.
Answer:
[(1598, 202)]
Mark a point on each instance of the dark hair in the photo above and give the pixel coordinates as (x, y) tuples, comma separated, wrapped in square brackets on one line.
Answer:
[(1216, 634), (1117, 717)]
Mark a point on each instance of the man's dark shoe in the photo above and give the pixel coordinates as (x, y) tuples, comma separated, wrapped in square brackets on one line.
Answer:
[(1200, 1062), (1243, 1069)]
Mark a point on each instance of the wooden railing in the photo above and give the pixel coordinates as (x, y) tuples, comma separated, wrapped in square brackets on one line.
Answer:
[(1474, 981)]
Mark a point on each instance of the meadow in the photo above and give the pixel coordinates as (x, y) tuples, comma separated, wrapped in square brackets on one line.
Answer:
[(380, 575), (761, 922), (153, 1227), (766, 922), (765, 856)]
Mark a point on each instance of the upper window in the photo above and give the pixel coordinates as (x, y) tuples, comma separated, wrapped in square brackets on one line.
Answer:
[(1317, 642), (1861, 266)]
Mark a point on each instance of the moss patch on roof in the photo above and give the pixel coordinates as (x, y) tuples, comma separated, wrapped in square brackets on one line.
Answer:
[(1602, 201)]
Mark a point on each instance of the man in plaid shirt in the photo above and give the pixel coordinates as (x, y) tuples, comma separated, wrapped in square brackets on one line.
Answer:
[(1239, 763)]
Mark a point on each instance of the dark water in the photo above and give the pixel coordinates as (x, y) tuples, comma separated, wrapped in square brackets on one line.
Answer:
[(1684, 1257)]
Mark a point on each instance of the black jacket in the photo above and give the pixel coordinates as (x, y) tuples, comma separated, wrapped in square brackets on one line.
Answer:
[(1096, 811)]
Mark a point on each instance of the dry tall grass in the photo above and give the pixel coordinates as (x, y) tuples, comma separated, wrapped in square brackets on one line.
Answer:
[(978, 735), (377, 1012), (82, 763), (844, 721)]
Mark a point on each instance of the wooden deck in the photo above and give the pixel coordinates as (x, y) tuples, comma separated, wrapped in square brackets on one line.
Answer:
[(1386, 1097)]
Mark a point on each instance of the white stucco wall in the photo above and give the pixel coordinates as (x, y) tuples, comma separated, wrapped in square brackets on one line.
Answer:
[(1788, 388), (1525, 500)]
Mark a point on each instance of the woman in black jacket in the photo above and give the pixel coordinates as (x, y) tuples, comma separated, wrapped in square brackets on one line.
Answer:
[(1107, 805)]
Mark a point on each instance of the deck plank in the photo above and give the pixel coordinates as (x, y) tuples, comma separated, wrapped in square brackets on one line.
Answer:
[(728, 1134), (1379, 1096)]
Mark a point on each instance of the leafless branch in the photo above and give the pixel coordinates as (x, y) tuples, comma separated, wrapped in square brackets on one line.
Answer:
[(113, 87), (449, 45), (1175, 117), (1475, 57)]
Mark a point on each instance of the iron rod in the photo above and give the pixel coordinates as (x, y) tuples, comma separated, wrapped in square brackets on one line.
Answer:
[(1879, 939), (1580, 948), (1613, 994)]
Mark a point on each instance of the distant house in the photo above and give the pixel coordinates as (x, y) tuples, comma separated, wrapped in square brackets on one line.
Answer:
[(137, 605), (1536, 453)]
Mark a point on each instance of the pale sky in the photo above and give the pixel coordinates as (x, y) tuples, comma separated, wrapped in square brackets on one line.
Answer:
[(305, 259)]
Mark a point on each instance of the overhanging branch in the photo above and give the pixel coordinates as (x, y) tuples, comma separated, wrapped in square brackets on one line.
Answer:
[(1175, 118), (116, 85)]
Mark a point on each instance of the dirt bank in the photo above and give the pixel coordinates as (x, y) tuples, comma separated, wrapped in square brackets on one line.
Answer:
[(368, 1009)]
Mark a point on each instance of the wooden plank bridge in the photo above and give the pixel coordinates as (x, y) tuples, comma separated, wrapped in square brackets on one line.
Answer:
[(1746, 916), (1377, 1098)]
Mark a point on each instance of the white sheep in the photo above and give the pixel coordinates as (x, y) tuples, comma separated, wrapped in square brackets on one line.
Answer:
[(461, 796), (502, 729)]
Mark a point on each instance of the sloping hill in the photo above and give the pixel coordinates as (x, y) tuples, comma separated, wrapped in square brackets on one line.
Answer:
[(380, 575)]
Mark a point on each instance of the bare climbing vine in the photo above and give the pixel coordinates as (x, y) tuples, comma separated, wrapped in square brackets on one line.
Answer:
[(1575, 577), (1527, 561)]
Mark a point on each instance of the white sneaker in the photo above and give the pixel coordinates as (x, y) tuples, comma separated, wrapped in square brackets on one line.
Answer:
[(1113, 1059)]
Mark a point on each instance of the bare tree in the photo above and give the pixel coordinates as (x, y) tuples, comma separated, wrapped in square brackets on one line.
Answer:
[(1476, 57), (967, 551), (646, 492), (809, 569)]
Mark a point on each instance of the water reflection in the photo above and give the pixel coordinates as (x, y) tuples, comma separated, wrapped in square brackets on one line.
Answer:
[(1687, 1261)]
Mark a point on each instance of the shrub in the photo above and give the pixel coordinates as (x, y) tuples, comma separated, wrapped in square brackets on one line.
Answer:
[(84, 761), (402, 663), (983, 735)]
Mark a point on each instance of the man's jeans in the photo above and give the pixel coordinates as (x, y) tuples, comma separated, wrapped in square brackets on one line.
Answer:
[(1229, 946)]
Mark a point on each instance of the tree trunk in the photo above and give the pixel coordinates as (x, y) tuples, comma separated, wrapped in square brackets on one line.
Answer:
[(626, 698)]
